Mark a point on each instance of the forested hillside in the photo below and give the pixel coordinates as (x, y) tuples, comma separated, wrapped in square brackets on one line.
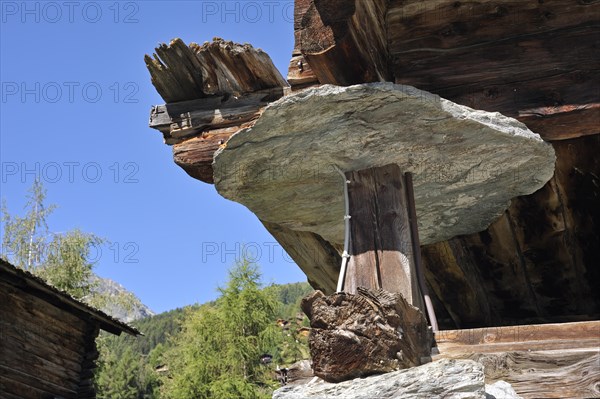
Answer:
[(171, 361)]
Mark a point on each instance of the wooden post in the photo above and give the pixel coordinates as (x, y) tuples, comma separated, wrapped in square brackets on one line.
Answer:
[(381, 249)]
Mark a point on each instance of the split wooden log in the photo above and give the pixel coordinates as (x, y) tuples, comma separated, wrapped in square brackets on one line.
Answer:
[(300, 74), (180, 72), (371, 332)]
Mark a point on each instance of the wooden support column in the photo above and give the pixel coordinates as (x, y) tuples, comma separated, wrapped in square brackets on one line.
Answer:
[(381, 241)]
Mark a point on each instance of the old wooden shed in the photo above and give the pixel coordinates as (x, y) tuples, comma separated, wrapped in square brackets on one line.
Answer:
[(47, 339)]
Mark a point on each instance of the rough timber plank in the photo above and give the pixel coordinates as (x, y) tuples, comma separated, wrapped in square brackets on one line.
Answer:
[(380, 230), (213, 91), (300, 74), (479, 54), (180, 72), (563, 122), (539, 361), (343, 41), (570, 332), (182, 120)]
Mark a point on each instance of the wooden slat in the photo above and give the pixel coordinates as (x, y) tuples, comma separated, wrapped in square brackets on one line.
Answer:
[(57, 371), (571, 332), (12, 276), (479, 54), (564, 373), (300, 74), (563, 122), (539, 361), (29, 386), (182, 120), (447, 24), (15, 301)]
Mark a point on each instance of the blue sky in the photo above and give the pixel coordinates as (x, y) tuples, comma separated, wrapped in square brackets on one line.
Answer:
[(75, 103)]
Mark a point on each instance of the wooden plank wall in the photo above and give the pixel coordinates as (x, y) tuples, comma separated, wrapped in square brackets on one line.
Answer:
[(43, 349), (539, 361)]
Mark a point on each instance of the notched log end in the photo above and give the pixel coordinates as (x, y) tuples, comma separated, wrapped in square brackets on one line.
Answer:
[(372, 332)]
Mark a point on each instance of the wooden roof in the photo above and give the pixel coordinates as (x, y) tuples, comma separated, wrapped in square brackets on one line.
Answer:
[(34, 285)]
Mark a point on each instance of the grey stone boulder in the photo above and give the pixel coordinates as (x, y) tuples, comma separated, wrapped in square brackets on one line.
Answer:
[(467, 164), (449, 379)]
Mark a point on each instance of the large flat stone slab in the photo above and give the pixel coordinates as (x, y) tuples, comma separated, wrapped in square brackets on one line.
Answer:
[(449, 379), (467, 164)]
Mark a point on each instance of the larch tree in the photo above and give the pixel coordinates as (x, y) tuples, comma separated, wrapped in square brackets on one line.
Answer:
[(217, 353)]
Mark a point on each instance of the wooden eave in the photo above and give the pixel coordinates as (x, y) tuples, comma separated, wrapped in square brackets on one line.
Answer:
[(34, 285)]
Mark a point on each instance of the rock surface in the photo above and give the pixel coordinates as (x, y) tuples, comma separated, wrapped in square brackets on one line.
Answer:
[(449, 379), (500, 390), (467, 164), (368, 333)]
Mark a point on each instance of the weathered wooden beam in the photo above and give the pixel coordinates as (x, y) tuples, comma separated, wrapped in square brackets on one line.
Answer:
[(345, 42), (300, 74), (471, 340), (560, 360), (180, 72), (381, 249), (183, 120), (213, 91), (563, 122), (176, 72), (480, 54), (537, 262)]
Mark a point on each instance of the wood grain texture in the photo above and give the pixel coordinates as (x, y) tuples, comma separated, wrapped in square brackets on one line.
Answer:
[(480, 54), (181, 73), (356, 335), (344, 42), (535, 61), (50, 360), (300, 74), (212, 91), (47, 339), (537, 262), (381, 242), (539, 361)]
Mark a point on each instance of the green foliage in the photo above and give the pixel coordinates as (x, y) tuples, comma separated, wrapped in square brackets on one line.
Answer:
[(290, 296), (67, 266), (147, 355), (193, 350), (62, 259), (25, 238), (217, 354)]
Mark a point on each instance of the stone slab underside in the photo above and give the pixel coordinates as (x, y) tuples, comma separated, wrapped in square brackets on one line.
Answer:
[(467, 164)]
